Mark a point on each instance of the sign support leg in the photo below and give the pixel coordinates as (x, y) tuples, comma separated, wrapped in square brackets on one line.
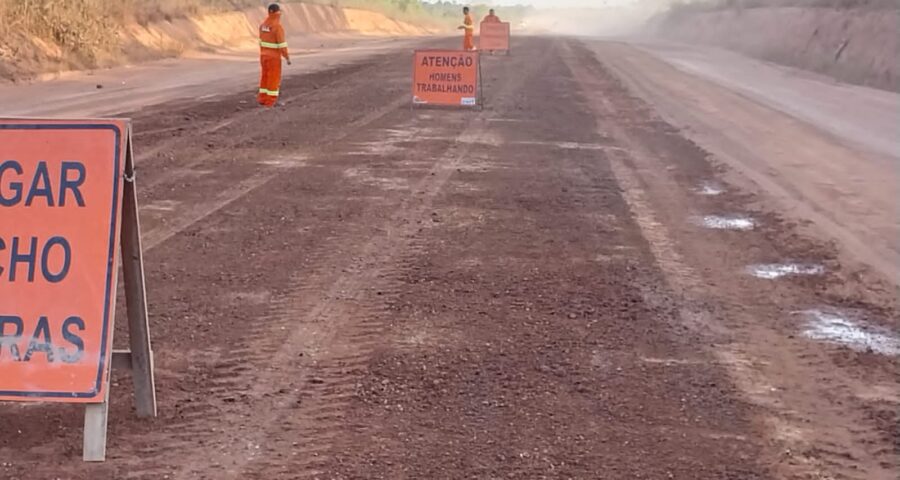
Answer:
[(140, 357), (96, 417), (480, 85), (136, 297), (95, 421)]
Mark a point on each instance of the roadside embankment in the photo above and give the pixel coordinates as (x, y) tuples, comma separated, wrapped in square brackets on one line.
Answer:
[(77, 39), (854, 41)]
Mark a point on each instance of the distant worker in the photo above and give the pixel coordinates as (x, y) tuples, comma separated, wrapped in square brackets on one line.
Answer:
[(272, 47), (491, 18), (469, 26)]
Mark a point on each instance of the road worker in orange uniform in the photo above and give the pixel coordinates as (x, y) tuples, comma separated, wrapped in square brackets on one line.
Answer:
[(491, 17), (272, 48), (469, 26)]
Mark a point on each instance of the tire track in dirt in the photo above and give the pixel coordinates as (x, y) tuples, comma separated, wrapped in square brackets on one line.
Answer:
[(329, 313), (519, 336), (189, 212), (246, 111), (356, 311), (853, 223), (256, 367), (251, 115), (200, 210), (341, 231), (755, 354), (188, 206)]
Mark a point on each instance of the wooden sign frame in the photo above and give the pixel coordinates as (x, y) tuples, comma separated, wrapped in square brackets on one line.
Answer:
[(507, 50), (138, 358)]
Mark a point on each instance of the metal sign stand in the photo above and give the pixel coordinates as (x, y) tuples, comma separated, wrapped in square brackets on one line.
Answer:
[(139, 358), (480, 85)]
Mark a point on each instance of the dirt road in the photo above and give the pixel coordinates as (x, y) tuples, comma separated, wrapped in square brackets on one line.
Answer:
[(825, 153), (345, 288), (201, 75)]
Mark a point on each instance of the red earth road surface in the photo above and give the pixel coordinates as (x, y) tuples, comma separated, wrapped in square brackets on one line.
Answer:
[(346, 288)]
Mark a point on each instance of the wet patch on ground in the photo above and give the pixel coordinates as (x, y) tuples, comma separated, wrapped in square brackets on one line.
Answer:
[(726, 222), (772, 271), (843, 329)]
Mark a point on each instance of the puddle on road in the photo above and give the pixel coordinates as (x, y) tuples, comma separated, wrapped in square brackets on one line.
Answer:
[(161, 205), (285, 162), (609, 258), (774, 271), (367, 177), (506, 120), (837, 328), (673, 362), (569, 145), (727, 222), (710, 189), (380, 148)]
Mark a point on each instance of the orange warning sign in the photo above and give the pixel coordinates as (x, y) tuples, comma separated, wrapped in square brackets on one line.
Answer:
[(494, 36), (60, 214), (446, 77)]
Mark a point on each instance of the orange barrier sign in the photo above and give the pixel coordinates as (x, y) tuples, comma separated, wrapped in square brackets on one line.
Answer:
[(446, 77), (61, 186), (494, 36)]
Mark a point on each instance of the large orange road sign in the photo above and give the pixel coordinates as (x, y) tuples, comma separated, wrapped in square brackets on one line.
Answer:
[(446, 77), (494, 36), (60, 213), (67, 199)]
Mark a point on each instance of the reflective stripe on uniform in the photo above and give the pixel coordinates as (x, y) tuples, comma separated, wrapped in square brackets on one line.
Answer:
[(271, 93), (272, 45)]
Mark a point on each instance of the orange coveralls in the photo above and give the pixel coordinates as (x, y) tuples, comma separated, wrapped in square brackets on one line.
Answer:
[(272, 47), (469, 38), (491, 19)]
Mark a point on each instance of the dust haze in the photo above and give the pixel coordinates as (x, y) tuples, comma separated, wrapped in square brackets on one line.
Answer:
[(608, 19), (853, 41)]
